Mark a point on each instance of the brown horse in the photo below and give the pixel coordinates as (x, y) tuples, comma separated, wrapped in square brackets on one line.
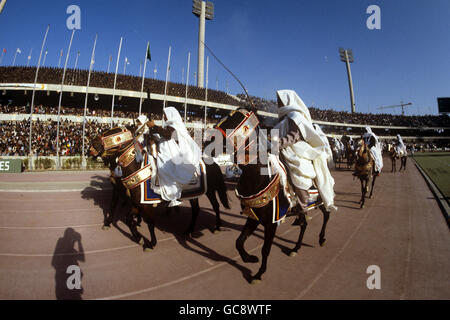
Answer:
[(253, 186), (394, 156), (214, 178), (365, 170)]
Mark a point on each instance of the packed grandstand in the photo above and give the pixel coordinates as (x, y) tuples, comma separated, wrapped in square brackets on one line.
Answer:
[(15, 100)]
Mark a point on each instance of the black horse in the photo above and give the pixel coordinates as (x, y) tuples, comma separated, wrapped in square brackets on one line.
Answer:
[(215, 183), (252, 182)]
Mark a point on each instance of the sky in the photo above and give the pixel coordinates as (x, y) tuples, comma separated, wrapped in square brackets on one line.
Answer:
[(269, 45)]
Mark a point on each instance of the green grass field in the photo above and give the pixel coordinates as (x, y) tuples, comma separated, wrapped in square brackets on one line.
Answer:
[(437, 167)]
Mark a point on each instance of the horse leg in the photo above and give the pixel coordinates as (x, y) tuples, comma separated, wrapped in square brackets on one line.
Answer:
[(129, 221), (151, 227), (215, 204), (303, 225), (363, 191), (249, 227), (269, 234), (374, 177), (326, 216), (108, 217), (195, 211)]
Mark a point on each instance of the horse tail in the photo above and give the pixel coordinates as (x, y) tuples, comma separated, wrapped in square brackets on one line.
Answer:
[(222, 191), (217, 183)]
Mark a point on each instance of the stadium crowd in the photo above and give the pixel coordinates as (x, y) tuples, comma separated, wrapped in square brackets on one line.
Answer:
[(101, 79), (14, 137), (106, 80), (14, 134), (357, 117)]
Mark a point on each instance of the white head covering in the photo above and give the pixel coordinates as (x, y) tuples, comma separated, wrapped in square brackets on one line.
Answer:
[(142, 119), (177, 161), (174, 119), (306, 160), (292, 102)]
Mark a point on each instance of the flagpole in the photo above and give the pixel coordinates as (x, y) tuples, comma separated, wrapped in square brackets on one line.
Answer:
[(86, 99), (1, 58), (76, 60), (60, 56), (115, 80), (60, 99), (187, 83), (165, 86), (206, 90), (143, 77), (29, 57), (45, 56), (14, 60), (30, 161), (109, 62)]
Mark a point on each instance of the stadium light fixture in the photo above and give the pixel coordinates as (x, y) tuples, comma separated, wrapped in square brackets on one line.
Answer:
[(346, 55), (203, 10)]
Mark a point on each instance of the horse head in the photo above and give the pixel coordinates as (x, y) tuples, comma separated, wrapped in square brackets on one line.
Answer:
[(240, 129), (109, 143)]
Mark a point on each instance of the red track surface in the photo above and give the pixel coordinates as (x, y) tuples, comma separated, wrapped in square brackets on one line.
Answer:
[(401, 229)]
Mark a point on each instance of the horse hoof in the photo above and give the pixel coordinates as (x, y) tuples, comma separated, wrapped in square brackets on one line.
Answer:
[(216, 231), (104, 228), (322, 242), (362, 206), (292, 254), (255, 281), (141, 241), (148, 249)]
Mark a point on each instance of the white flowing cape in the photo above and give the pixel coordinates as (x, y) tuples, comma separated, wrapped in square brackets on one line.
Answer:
[(375, 151), (177, 162), (401, 148), (306, 160)]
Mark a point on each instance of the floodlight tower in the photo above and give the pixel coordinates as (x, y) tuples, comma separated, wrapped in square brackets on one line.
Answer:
[(347, 57), (203, 10)]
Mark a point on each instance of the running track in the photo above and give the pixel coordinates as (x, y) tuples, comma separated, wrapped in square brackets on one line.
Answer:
[(401, 230)]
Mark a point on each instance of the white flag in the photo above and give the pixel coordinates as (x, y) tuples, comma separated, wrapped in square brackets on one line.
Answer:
[(19, 51)]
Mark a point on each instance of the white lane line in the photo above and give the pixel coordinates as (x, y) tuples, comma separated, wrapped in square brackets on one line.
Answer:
[(53, 227), (193, 275), (320, 275), (74, 253)]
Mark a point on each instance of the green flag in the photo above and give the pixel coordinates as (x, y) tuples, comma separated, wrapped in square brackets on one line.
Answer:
[(149, 57)]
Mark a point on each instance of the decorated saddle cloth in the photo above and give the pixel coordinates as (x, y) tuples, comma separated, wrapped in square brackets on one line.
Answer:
[(278, 194), (314, 199), (194, 189)]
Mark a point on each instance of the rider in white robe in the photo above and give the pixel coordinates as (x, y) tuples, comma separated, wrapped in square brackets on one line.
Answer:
[(303, 150), (178, 158), (375, 150), (400, 148)]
